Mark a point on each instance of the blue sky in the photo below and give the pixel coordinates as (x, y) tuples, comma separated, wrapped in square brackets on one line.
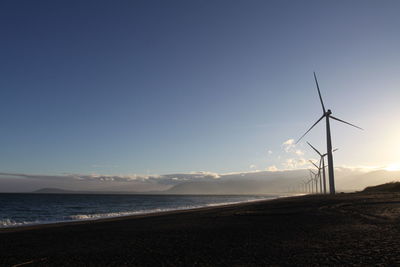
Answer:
[(122, 87)]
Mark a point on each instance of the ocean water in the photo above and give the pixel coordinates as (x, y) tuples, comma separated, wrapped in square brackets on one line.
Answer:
[(28, 209)]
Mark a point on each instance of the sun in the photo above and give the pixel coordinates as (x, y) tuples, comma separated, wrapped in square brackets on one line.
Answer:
[(393, 167)]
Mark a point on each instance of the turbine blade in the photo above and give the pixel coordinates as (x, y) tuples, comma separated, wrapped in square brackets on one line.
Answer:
[(314, 149), (320, 168), (319, 93), (310, 128), (313, 164), (346, 122), (336, 149)]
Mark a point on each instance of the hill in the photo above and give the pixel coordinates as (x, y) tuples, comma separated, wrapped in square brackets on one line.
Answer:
[(52, 191), (388, 187)]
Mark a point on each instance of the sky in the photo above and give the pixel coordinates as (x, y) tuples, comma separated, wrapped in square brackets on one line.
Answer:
[(159, 87)]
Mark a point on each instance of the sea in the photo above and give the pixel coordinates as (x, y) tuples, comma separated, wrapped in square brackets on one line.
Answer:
[(19, 209)]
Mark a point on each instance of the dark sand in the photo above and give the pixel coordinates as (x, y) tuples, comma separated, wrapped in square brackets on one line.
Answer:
[(348, 229)]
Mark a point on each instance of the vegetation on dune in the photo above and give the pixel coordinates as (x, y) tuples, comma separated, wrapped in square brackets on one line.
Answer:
[(388, 187)]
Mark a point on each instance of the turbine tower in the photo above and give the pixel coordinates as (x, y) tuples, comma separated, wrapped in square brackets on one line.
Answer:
[(313, 176), (322, 162), (327, 114), (305, 185), (318, 174), (311, 182)]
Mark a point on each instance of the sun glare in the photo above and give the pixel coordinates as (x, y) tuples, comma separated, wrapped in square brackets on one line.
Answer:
[(393, 167)]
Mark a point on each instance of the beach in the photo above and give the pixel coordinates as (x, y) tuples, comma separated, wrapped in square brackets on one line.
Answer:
[(346, 229)]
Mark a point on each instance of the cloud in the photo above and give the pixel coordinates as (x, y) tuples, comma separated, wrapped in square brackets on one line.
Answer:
[(163, 179), (272, 178), (269, 152), (293, 163), (359, 168), (294, 156), (209, 174), (288, 145), (252, 166), (272, 168)]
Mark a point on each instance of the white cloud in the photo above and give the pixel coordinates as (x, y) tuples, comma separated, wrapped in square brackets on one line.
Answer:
[(103, 178), (294, 169), (293, 163), (359, 168), (270, 152), (272, 168), (299, 152), (252, 166), (288, 145), (206, 174), (302, 162)]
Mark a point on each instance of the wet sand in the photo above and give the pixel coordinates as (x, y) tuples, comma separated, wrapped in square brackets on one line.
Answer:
[(347, 229)]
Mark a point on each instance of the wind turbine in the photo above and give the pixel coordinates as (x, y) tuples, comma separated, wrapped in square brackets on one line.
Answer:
[(311, 185), (322, 160), (305, 183), (318, 174), (327, 114), (313, 176), (312, 182)]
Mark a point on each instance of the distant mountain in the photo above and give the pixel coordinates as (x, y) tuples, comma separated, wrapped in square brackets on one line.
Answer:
[(223, 187), (262, 182), (62, 191), (275, 182), (245, 183), (52, 191)]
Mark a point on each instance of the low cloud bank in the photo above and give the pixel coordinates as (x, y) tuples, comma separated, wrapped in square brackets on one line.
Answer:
[(255, 182)]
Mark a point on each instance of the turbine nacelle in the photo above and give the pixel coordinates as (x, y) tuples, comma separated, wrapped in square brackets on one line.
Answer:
[(328, 112)]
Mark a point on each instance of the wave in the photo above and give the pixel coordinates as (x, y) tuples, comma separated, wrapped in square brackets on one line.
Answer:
[(10, 223), (81, 217), (6, 223)]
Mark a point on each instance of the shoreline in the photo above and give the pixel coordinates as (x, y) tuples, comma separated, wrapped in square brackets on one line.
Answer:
[(345, 229), (33, 226)]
